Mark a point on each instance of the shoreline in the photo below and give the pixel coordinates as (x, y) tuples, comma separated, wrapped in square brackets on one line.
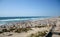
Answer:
[(37, 23)]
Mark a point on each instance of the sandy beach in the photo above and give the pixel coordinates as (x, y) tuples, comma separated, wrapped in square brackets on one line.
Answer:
[(23, 34), (35, 25)]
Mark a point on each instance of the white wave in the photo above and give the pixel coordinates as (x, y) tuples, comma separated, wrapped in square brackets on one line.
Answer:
[(19, 19), (23, 19), (13, 19)]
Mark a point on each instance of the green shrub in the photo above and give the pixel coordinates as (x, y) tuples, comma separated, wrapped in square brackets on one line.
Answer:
[(4, 30), (18, 30), (1, 32), (22, 30), (11, 29), (32, 35), (39, 26), (38, 34)]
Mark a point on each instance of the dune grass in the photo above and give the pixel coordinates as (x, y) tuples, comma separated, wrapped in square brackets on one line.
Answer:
[(1, 32), (38, 34), (22, 30)]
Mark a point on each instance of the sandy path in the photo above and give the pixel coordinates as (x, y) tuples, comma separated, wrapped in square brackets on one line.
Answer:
[(57, 30)]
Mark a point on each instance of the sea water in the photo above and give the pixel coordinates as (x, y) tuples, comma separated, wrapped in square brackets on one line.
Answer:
[(4, 20)]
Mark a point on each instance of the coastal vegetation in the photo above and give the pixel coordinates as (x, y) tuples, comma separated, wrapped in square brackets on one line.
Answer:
[(39, 34), (18, 30), (5, 30), (22, 30), (1, 32), (39, 26)]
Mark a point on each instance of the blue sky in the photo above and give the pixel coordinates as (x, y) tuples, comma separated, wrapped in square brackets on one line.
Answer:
[(29, 8)]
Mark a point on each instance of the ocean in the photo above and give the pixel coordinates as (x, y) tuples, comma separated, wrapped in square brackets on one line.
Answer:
[(4, 20)]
